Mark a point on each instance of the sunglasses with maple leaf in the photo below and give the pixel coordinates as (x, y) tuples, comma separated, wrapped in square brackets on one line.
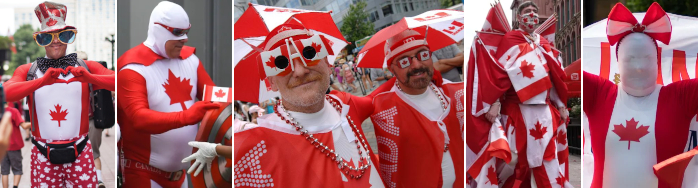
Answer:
[(275, 62), (423, 55)]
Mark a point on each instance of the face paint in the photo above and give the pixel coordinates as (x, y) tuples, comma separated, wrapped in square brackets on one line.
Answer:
[(529, 20)]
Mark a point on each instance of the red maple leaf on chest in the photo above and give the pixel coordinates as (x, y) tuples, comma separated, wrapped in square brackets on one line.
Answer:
[(562, 137), (538, 132), (631, 132), (58, 115), (492, 176), (219, 93), (177, 89), (527, 69)]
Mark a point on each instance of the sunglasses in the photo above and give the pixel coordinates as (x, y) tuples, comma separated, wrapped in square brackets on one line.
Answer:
[(65, 36), (277, 60), (423, 55), (175, 31)]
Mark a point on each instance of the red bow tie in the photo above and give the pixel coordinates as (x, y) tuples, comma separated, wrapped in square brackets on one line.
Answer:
[(621, 22)]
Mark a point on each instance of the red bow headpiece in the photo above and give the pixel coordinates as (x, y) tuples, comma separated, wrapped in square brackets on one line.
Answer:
[(621, 22)]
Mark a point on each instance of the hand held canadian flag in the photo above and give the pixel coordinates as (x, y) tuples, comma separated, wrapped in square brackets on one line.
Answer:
[(217, 94)]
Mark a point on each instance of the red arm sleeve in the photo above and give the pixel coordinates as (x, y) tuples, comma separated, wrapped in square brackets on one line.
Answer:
[(132, 100), (203, 79), (686, 91), (362, 107), (597, 92), (102, 78), (18, 87)]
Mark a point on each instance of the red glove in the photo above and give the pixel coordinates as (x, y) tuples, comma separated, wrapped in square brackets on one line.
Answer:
[(51, 76), (79, 74), (196, 112)]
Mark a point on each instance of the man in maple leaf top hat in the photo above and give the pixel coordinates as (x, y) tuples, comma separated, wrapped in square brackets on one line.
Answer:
[(312, 139), (525, 83), (637, 123), (58, 88), (160, 81)]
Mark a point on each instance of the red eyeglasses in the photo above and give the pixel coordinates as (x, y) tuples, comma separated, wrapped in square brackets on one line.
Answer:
[(175, 31)]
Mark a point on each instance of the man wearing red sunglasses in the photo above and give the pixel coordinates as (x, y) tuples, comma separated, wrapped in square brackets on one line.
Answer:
[(160, 81), (58, 88)]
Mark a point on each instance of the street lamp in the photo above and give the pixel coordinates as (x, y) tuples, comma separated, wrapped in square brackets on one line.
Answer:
[(111, 40)]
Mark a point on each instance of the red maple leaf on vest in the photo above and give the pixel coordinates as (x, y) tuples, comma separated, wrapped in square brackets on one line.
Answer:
[(178, 90), (58, 115), (538, 132), (630, 132), (527, 69), (219, 93), (272, 62), (562, 138), (492, 176)]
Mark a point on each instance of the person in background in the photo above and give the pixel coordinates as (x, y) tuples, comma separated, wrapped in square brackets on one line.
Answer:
[(380, 76), (268, 105), (13, 158), (95, 136), (449, 60), (254, 113), (348, 77)]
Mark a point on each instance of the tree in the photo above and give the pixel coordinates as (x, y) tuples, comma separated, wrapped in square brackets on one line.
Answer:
[(26, 47), (446, 3), (356, 25), (681, 7)]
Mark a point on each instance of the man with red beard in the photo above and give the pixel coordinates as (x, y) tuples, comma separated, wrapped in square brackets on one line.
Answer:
[(159, 82), (58, 87), (417, 125), (312, 139)]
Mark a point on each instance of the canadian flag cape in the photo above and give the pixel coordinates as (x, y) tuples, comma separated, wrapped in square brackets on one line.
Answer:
[(679, 171), (518, 70), (667, 130), (141, 54), (273, 156), (410, 145)]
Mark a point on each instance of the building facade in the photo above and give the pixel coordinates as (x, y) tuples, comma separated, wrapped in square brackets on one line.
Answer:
[(568, 38)]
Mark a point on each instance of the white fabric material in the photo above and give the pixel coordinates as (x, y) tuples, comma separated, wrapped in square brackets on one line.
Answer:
[(156, 75), (630, 153), (169, 14)]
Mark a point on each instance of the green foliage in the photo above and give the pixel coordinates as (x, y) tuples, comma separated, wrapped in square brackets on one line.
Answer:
[(356, 25), (446, 3), (5, 43), (26, 47), (575, 108), (681, 7)]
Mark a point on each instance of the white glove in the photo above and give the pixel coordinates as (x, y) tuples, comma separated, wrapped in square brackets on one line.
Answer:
[(206, 153)]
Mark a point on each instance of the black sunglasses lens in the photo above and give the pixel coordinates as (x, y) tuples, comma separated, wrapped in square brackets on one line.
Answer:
[(44, 39), (67, 36), (281, 62), (309, 52), (180, 32)]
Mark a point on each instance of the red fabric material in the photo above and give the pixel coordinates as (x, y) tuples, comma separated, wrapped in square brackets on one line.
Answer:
[(310, 167), (620, 13), (420, 143), (676, 107), (80, 173), (16, 141), (672, 170), (141, 176), (141, 54)]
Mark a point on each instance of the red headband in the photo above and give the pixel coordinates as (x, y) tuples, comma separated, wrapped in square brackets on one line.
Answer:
[(621, 22)]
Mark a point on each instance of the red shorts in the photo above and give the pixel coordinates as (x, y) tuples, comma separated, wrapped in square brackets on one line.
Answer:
[(80, 173)]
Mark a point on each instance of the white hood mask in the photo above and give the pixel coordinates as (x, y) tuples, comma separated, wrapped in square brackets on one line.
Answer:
[(169, 14), (637, 64)]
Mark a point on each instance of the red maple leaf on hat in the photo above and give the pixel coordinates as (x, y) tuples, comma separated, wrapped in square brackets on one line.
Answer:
[(219, 93), (630, 132), (51, 22), (492, 176), (178, 90), (562, 137), (317, 47), (525, 19), (271, 62), (538, 132), (527, 69), (58, 115), (56, 12)]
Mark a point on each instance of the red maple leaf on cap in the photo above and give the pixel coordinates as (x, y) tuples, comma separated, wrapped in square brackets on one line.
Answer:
[(271, 62), (527, 69), (219, 93), (630, 132), (178, 90), (492, 176), (58, 115), (538, 132), (562, 138), (51, 22)]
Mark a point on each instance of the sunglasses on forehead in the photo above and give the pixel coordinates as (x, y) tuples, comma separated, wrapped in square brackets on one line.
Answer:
[(310, 51), (175, 31), (65, 36)]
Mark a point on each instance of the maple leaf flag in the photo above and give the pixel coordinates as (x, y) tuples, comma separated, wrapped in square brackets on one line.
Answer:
[(217, 94), (630, 132), (483, 168), (58, 115), (179, 90)]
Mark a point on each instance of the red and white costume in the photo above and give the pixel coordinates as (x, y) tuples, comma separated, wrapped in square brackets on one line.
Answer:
[(679, 171), (154, 95), (59, 110)]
